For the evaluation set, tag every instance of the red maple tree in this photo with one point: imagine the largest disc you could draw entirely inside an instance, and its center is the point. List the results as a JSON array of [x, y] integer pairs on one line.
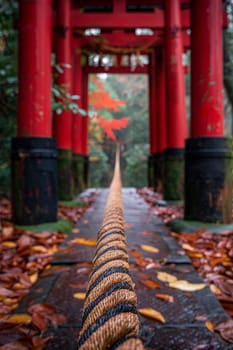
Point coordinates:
[[100, 100]]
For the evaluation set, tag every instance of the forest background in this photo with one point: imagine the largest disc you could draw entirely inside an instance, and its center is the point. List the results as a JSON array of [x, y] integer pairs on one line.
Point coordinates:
[[127, 112]]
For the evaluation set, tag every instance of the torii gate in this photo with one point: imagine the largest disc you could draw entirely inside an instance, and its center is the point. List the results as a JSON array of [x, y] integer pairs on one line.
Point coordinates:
[[207, 153]]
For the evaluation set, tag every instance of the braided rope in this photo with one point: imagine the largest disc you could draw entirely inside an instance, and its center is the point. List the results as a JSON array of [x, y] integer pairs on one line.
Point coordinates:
[[109, 319]]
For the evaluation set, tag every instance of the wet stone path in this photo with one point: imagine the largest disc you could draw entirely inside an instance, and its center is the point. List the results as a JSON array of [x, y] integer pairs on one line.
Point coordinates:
[[185, 318]]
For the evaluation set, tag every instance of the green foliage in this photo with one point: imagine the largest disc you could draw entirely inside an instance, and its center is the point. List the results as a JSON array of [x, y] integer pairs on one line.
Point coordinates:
[[99, 167], [8, 87], [135, 171]]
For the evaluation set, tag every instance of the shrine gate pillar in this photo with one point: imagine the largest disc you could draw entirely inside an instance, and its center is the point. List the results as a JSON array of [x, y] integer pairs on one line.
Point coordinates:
[[175, 97], [85, 127], [78, 157], [152, 179], [208, 154], [161, 137], [34, 157], [63, 121]]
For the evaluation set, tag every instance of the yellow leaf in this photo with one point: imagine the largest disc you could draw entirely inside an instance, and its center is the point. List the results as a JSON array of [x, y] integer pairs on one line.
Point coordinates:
[[20, 318], [165, 297], [39, 249], [210, 326], [33, 278], [84, 241], [215, 289], [166, 277], [187, 286], [149, 248], [9, 244], [18, 286], [152, 313], [79, 295], [187, 246]]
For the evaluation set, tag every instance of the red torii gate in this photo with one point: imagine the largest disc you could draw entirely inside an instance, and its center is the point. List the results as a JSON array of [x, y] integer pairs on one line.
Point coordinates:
[[207, 190]]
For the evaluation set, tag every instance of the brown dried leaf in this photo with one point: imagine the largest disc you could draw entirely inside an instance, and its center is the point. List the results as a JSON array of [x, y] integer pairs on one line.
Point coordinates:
[[165, 297], [226, 330], [15, 345], [41, 308], [40, 321], [150, 284], [56, 319]]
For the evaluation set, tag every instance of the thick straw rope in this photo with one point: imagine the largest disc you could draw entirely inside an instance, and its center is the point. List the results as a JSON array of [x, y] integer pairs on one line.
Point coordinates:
[[110, 319]]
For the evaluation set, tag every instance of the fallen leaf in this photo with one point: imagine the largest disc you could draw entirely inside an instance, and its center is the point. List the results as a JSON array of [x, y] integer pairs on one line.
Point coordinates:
[[128, 225], [152, 313], [56, 319], [150, 284], [40, 321], [85, 241], [79, 295], [147, 232], [33, 278], [166, 277], [135, 253], [15, 345], [39, 249], [41, 308], [149, 248], [165, 297], [9, 244], [20, 318], [210, 326], [187, 286], [215, 289], [75, 230], [39, 343], [226, 330], [187, 246]]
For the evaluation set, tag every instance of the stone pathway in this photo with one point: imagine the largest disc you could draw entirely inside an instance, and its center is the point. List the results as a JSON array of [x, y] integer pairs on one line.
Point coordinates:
[[184, 328]]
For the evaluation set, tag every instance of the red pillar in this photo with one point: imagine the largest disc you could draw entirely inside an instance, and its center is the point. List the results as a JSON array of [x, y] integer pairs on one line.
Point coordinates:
[[152, 105], [175, 97], [207, 83], [77, 131], [63, 121], [85, 128], [152, 163], [34, 176], [176, 112], [161, 101], [77, 90], [208, 154], [34, 72]]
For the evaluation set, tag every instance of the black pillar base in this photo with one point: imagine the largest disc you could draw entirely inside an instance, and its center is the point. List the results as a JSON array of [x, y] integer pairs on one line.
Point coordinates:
[[150, 168], [208, 179], [65, 175], [34, 180], [78, 173], [173, 186], [86, 170], [155, 171]]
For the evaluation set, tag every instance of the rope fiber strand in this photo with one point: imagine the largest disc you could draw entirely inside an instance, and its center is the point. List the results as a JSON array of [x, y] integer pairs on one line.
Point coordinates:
[[110, 319]]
